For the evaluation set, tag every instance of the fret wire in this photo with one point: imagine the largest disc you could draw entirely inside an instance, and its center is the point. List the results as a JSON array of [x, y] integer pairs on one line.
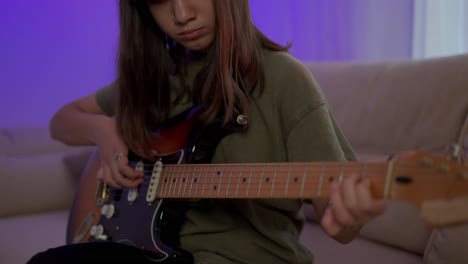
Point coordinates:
[[250, 178], [191, 180], [220, 179], [341, 173], [171, 181], [238, 181], [388, 181], [160, 187], [168, 177], [319, 191], [185, 176], [174, 180], [287, 183], [180, 180], [198, 180], [261, 180], [212, 181], [229, 182], [274, 181], [204, 182], [304, 178]]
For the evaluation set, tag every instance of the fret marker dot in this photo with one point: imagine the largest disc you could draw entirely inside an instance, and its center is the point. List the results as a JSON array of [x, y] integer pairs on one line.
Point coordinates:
[[296, 180], [174, 180], [215, 187], [244, 180], [267, 179], [330, 179], [195, 180], [183, 180]]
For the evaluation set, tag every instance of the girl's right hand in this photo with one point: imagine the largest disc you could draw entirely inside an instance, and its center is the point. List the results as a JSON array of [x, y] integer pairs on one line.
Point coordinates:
[[113, 152]]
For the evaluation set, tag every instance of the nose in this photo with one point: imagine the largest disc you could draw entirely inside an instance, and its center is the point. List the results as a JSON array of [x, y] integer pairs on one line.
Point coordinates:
[[183, 12]]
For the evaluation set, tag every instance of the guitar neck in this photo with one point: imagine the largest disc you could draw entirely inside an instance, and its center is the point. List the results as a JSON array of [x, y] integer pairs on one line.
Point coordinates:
[[274, 180]]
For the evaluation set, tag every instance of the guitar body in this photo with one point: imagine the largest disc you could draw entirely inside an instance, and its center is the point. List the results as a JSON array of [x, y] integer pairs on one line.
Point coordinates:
[[128, 216], [141, 218]]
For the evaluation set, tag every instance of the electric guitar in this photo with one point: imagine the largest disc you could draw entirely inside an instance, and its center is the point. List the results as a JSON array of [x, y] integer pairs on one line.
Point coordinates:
[[144, 217]]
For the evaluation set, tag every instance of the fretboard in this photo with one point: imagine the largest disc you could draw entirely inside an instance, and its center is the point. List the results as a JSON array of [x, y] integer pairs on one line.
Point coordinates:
[[263, 180]]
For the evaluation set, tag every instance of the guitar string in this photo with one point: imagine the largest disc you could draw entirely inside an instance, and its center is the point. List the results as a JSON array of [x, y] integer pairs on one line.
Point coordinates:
[[173, 173], [176, 186]]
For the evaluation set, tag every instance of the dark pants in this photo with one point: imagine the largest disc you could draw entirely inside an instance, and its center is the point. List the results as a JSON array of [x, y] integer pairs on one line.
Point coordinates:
[[97, 252]]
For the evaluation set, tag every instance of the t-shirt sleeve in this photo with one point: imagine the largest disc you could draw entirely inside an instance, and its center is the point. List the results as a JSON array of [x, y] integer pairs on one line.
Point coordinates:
[[309, 128], [316, 137], [106, 98]]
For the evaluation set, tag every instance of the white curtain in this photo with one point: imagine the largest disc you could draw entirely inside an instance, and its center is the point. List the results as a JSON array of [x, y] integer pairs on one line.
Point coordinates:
[[327, 30], [440, 28], [339, 30]]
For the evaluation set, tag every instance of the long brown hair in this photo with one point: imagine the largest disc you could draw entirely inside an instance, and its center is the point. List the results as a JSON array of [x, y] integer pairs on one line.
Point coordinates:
[[234, 69]]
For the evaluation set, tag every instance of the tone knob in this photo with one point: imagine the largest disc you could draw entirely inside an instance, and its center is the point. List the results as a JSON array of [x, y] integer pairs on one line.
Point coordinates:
[[97, 231], [108, 210]]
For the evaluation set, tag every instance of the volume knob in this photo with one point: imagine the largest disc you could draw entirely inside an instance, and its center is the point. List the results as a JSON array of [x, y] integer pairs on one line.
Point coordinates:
[[97, 231], [108, 210]]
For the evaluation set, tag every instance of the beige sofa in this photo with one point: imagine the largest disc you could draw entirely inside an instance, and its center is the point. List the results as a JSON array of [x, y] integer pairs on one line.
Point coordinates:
[[383, 108]]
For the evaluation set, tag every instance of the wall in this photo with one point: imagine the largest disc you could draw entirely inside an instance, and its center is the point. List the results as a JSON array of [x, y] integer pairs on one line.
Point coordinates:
[[53, 51]]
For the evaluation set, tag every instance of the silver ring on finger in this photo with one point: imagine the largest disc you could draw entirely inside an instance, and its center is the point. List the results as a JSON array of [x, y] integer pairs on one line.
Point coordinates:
[[118, 156]]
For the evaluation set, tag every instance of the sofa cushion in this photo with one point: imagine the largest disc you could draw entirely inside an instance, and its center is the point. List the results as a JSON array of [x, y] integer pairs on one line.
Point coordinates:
[[28, 141], [399, 105], [448, 245], [327, 250], [22, 237], [400, 226], [41, 182]]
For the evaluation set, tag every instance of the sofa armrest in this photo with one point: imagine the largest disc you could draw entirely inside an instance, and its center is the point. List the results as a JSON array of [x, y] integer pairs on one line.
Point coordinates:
[[38, 183]]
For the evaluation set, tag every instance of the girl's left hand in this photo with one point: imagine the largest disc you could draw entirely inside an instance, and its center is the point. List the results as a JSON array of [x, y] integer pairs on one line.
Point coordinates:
[[351, 206]]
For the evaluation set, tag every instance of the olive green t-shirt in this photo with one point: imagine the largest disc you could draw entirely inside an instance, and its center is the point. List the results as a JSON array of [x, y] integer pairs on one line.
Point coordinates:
[[289, 122]]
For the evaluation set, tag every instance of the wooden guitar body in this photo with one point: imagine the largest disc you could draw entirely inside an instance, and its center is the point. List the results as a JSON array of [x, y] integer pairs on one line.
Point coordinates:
[[128, 216]]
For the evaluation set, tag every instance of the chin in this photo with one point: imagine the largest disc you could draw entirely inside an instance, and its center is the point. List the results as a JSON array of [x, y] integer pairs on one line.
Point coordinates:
[[198, 48], [198, 45]]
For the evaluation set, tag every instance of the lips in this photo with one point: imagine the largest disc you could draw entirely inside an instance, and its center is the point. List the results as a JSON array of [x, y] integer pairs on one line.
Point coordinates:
[[192, 34]]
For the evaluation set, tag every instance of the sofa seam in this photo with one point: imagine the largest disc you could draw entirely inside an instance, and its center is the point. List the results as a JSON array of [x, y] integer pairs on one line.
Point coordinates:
[[462, 137]]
